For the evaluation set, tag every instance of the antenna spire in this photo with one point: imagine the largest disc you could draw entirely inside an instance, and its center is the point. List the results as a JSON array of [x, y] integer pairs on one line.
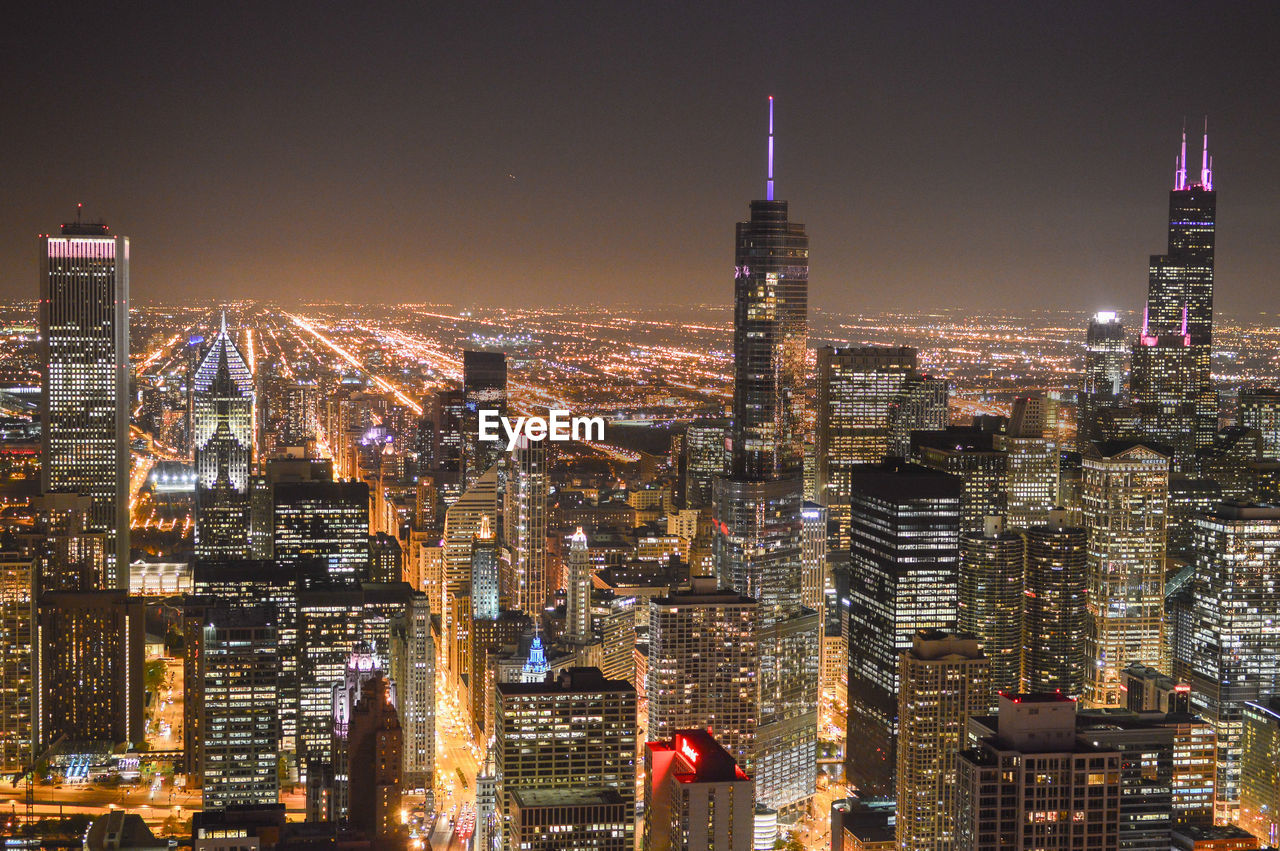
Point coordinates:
[[1206, 163], [768, 186], [224, 323], [1180, 173]]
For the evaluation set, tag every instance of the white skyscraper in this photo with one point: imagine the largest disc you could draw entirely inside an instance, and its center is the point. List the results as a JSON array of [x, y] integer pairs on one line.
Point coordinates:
[[578, 609]]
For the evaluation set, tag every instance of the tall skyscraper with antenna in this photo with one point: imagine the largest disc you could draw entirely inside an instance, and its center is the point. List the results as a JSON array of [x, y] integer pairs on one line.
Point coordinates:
[[757, 507], [1171, 383], [84, 348]]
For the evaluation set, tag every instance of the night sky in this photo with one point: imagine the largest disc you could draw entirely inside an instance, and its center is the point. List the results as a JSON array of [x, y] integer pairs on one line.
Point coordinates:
[[947, 154]]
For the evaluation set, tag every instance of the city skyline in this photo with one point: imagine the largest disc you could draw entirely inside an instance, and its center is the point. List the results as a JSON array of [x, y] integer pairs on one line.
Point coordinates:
[[923, 577], [1066, 147]]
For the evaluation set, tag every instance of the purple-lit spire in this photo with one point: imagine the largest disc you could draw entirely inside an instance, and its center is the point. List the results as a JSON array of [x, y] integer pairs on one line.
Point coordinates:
[[1145, 338], [768, 186], [1184, 320], [1180, 171], [1206, 163]]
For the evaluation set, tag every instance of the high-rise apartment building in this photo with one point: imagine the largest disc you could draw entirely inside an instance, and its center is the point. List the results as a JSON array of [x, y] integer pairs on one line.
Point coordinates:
[[84, 353], [1034, 786], [1231, 655], [238, 669], [17, 657], [1171, 382], [572, 731], [1055, 613], [990, 600], [697, 797], [905, 548], [89, 672], [704, 665], [1125, 492], [943, 679]]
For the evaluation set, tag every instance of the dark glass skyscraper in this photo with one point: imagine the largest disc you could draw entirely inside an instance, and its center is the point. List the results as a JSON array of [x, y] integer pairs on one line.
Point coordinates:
[[84, 340], [484, 388], [1104, 358], [770, 333], [905, 537], [1171, 382], [757, 508]]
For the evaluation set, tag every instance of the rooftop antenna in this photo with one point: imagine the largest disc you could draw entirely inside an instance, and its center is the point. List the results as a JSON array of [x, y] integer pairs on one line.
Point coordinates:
[[79, 207], [1180, 174], [224, 323], [768, 186], [1206, 164]]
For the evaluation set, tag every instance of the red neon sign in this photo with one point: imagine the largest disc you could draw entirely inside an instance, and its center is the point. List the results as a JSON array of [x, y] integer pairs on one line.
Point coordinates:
[[687, 750]]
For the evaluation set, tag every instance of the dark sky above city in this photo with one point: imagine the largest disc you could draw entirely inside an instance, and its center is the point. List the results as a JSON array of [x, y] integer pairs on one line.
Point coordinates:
[[947, 154]]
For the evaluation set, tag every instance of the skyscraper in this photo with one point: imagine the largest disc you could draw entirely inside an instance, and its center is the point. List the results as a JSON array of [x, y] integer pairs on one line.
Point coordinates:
[[578, 604], [1020, 789], [222, 399], [1260, 409], [1125, 492], [1171, 381], [84, 353], [1232, 653], [484, 388], [324, 520], [905, 547], [223, 396], [991, 598], [757, 508], [703, 459], [572, 732], [238, 669], [527, 489], [1055, 615], [970, 454], [89, 674], [944, 680], [484, 572], [697, 798], [1260, 770], [463, 520], [857, 389], [814, 557], [703, 666], [375, 742], [413, 670], [1104, 368], [771, 297], [17, 634]]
